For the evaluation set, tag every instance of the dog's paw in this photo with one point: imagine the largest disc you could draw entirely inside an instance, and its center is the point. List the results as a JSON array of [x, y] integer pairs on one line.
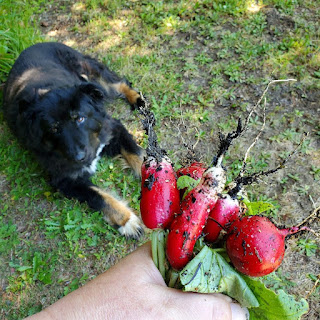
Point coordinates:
[[140, 102], [118, 215], [133, 228]]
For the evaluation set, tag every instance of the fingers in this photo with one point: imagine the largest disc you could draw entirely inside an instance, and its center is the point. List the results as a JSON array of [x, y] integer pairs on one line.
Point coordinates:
[[190, 306], [187, 305]]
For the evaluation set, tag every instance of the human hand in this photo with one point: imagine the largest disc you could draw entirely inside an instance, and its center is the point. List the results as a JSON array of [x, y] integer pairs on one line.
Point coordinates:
[[134, 289]]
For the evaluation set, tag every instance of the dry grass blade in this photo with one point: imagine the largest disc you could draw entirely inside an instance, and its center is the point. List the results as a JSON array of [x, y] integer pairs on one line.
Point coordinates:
[[313, 288], [262, 96], [312, 216], [244, 162]]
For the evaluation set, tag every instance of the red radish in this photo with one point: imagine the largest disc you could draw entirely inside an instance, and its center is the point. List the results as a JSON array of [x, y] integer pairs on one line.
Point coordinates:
[[195, 208], [256, 246], [160, 198], [226, 210], [195, 170]]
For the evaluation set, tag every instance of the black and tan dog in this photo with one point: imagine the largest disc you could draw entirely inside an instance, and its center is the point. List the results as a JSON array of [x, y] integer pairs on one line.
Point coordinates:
[[55, 103]]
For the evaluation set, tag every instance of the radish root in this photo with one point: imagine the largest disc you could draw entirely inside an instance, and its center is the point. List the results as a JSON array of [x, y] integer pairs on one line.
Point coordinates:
[[148, 123], [241, 180]]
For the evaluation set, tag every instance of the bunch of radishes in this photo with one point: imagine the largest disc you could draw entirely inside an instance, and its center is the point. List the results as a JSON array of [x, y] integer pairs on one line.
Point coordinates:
[[254, 244]]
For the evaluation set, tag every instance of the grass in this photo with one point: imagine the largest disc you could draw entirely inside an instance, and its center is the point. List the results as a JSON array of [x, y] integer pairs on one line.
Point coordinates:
[[202, 64], [18, 30]]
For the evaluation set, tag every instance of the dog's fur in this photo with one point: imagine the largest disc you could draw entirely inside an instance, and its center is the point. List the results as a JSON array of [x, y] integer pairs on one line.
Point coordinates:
[[54, 102]]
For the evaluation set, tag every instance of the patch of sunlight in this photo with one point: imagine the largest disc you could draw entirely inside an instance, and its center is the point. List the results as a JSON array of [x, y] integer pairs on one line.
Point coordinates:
[[137, 50], [254, 6], [52, 33], [170, 24], [109, 43], [70, 43], [78, 7], [119, 24], [315, 60]]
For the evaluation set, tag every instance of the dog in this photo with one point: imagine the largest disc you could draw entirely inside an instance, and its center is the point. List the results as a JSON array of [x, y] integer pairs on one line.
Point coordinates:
[[55, 103]]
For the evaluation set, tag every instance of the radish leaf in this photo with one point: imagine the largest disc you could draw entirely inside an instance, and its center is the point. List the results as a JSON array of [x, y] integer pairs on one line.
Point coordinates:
[[188, 183], [273, 305], [258, 207], [208, 272]]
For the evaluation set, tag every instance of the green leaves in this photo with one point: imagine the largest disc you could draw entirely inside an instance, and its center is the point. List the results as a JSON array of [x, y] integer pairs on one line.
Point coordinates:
[[187, 183], [209, 272], [309, 246], [258, 207], [8, 237], [38, 268], [274, 306]]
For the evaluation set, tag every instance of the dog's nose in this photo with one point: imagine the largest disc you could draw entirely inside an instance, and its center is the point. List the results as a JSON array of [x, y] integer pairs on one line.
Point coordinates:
[[80, 156]]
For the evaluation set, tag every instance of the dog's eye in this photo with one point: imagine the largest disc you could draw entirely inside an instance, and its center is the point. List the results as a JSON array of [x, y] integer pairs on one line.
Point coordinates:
[[80, 119]]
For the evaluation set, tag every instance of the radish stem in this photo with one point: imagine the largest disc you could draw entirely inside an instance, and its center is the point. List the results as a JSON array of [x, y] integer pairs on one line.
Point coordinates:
[[161, 253], [173, 278], [154, 248]]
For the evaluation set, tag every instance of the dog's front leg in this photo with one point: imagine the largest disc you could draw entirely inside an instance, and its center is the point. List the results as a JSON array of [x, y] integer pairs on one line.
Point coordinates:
[[123, 144], [115, 211]]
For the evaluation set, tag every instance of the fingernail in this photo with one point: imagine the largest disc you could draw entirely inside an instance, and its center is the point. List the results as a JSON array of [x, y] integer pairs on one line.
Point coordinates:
[[239, 313]]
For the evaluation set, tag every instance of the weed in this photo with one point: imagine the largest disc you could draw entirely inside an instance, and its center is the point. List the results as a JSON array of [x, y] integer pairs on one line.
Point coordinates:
[[37, 267], [315, 172], [294, 177], [9, 237], [256, 24], [304, 190], [307, 246], [74, 284]]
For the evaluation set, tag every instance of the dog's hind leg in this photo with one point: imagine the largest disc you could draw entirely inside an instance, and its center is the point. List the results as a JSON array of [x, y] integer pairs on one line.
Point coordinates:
[[115, 86], [116, 212], [124, 90]]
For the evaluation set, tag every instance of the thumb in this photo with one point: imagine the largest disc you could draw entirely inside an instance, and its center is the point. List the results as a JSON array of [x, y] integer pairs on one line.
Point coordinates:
[[239, 313]]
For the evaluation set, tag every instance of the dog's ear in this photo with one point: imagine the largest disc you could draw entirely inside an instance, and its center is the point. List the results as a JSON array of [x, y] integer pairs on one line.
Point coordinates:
[[27, 99], [30, 97], [94, 91]]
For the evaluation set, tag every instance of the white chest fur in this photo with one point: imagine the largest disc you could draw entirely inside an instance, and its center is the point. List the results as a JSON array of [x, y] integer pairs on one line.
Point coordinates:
[[93, 166]]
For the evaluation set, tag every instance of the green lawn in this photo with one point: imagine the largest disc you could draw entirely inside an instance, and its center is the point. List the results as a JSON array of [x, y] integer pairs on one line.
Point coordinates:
[[201, 64]]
